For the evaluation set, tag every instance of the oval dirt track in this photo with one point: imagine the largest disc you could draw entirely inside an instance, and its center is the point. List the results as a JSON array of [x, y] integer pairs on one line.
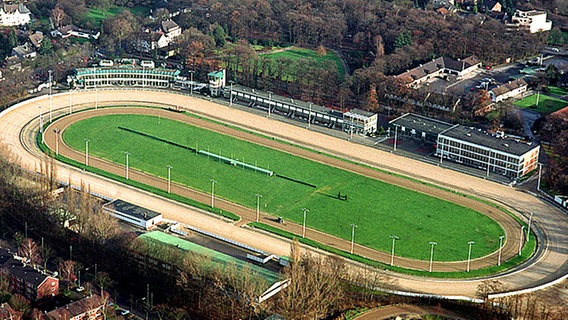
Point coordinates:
[[20, 124]]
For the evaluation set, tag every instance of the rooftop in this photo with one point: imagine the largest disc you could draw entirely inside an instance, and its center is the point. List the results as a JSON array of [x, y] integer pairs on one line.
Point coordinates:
[[286, 100], [76, 308], [424, 124], [438, 64], [131, 210], [509, 86], [482, 138], [216, 256]]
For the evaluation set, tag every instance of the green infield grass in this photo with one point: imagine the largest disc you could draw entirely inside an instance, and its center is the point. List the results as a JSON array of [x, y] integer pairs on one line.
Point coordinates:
[[546, 104], [377, 208]]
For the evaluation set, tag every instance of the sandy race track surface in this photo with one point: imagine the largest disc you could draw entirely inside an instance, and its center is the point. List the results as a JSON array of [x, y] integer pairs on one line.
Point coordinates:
[[552, 222]]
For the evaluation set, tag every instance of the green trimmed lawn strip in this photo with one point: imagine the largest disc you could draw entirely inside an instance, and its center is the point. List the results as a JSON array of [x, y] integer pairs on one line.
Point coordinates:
[[526, 253], [380, 209], [297, 53], [546, 104], [157, 191]]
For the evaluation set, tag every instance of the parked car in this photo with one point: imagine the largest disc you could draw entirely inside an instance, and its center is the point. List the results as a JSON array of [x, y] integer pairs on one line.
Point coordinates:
[[124, 312]]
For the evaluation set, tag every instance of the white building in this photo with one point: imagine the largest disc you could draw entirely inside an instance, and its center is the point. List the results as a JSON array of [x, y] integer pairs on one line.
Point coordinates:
[[72, 30], [160, 38], [131, 213], [510, 157], [361, 121], [440, 68], [532, 21], [14, 15], [508, 90]]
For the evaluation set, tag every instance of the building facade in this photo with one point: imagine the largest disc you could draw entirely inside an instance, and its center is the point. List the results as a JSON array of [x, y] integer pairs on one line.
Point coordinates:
[[508, 90], [27, 280], [89, 308], [533, 21], [494, 153], [361, 121], [439, 68], [509, 157], [131, 213], [124, 75], [14, 15]]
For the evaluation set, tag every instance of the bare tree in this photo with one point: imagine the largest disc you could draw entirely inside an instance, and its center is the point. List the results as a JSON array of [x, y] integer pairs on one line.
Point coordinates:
[[30, 251], [67, 270], [58, 15]]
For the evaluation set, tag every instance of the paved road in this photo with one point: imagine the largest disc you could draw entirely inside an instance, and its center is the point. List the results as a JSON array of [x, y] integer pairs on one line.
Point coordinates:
[[551, 221]]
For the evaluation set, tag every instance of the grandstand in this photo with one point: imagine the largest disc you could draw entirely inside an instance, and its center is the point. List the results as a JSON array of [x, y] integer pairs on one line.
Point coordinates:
[[356, 121], [131, 74]]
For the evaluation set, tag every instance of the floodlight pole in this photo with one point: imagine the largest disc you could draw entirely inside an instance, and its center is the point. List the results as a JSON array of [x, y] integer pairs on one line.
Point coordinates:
[[231, 94], [212, 192], [529, 228], [304, 225], [191, 72], [470, 243], [96, 89], [395, 137], [50, 98], [432, 244], [258, 196], [126, 154], [500, 249], [539, 176], [394, 238], [70, 100], [40, 120], [269, 101], [86, 151], [521, 239], [353, 226], [56, 140], [169, 178], [309, 115]]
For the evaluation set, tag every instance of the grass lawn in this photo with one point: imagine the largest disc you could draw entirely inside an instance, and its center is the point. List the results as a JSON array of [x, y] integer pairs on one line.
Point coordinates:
[[556, 91], [546, 104], [96, 16], [378, 208], [296, 53]]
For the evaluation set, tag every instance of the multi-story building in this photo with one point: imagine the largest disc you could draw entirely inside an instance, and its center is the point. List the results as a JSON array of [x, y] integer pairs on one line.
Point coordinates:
[[361, 121], [14, 15], [89, 308], [27, 280], [533, 21], [495, 153]]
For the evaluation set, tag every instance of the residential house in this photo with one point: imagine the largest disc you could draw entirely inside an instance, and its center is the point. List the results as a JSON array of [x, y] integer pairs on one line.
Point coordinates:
[[508, 90], [440, 67], [533, 21], [89, 308], [161, 37], [491, 6], [25, 51], [72, 30], [14, 15], [27, 280], [36, 39], [7, 313]]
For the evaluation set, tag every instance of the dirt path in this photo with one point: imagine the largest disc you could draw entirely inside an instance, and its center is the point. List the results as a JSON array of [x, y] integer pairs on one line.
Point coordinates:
[[552, 222], [407, 311]]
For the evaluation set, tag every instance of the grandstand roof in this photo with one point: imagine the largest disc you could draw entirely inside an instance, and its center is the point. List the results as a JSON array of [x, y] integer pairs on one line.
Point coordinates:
[[514, 146], [131, 209], [423, 124], [216, 256]]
